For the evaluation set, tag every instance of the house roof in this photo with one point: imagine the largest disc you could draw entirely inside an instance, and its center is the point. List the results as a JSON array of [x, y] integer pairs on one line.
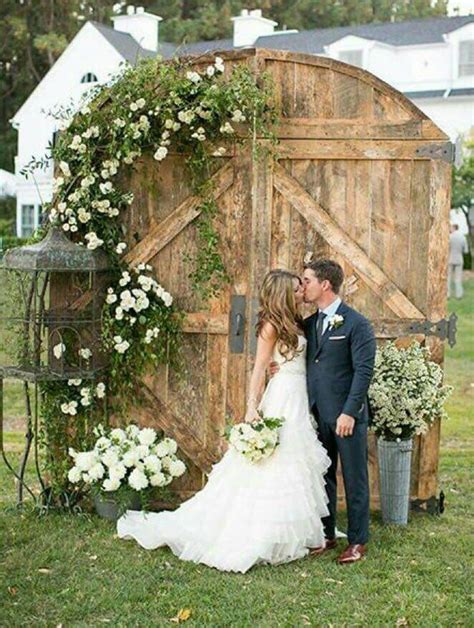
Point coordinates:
[[409, 32], [128, 47]]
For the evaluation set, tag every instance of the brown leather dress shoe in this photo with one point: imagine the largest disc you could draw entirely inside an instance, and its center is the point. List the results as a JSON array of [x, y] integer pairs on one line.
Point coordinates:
[[329, 545], [352, 554]]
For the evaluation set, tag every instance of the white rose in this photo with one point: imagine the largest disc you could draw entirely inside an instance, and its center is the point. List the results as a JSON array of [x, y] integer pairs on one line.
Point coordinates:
[[161, 153], [158, 479], [74, 475], [111, 484], [110, 458], [161, 449], [118, 471], [147, 436], [138, 480], [59, 349], [130, 457], [177, 468]]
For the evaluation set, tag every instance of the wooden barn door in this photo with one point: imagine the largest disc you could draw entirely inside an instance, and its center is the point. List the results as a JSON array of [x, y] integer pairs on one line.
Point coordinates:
[[193, 404], [380, 209]]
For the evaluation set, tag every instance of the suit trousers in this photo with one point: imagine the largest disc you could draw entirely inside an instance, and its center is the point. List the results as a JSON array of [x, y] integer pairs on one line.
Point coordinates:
[[353, 452], [455, 272]]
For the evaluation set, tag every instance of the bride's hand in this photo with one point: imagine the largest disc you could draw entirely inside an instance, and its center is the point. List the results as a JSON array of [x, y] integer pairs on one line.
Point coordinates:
[[251, 415]]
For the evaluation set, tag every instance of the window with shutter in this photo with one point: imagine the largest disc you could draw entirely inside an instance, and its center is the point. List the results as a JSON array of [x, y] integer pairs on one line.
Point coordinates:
[[466, 58]]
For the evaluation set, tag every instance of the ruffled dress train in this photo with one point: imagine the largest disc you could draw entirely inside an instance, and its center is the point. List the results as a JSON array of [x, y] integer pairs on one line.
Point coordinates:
[[267, 512]]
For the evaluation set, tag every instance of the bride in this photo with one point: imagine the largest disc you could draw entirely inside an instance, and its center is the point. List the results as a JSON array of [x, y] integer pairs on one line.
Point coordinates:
[[269, 511]]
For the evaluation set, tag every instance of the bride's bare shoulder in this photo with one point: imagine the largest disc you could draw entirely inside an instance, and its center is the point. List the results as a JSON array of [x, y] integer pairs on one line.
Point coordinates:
[[268, 332]]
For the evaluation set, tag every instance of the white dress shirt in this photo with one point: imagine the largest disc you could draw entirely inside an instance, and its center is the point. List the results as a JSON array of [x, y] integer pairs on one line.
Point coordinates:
[[330, 310]]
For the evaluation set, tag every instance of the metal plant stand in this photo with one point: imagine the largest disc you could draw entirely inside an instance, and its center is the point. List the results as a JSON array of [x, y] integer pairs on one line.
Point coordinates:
[[51, 298]]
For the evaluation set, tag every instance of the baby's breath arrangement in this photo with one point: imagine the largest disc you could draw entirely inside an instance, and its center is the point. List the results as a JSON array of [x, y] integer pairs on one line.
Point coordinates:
[[407, 394], [150, 109]]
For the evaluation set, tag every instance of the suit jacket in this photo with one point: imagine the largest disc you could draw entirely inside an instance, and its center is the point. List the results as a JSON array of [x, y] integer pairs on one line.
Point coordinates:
[[339, 370]]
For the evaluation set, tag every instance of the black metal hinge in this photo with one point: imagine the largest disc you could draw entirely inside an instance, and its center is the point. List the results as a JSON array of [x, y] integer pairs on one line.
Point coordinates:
[[444, 329], [444, 151], [433, 505]]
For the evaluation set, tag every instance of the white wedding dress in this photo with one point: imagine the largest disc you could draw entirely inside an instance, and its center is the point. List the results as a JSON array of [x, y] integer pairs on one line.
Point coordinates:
[[249, 513]]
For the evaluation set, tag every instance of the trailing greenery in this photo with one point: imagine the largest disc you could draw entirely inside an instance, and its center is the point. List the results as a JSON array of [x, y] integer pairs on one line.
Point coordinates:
[[144, 110]]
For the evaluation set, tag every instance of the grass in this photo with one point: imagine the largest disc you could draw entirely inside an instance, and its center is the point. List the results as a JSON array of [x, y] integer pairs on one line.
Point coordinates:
[[73, 571]]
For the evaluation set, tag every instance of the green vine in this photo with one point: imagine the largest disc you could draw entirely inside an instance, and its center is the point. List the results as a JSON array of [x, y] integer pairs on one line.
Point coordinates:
[[144, 110]]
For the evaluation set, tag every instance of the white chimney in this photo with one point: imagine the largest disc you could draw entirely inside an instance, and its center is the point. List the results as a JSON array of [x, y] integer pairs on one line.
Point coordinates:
[[142, 26], [249, 26]]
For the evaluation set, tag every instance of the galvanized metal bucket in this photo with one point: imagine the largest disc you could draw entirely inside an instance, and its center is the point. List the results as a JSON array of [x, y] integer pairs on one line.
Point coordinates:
[[107, 508], [394, 479]]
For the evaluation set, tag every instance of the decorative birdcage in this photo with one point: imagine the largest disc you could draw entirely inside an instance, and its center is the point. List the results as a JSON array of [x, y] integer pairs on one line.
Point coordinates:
[[51, 298]]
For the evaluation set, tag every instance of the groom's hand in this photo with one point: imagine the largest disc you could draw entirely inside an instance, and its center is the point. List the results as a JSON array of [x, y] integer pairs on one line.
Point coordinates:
[[345, 425], [273, 368]]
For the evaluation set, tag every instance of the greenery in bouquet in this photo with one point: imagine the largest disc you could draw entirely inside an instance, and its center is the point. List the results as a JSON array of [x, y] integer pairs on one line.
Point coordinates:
[[124, 462], [407, 393], [257, 440]]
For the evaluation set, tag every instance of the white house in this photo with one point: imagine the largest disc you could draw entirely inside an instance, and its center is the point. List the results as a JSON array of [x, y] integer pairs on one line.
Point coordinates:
[[430, 60], [92, 57]]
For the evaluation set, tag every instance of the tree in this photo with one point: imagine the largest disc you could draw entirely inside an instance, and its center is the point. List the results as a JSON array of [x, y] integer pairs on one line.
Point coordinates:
[[463, 189]]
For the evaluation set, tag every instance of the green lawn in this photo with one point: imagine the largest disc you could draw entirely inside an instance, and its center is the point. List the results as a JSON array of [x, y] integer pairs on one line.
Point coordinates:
[[72, 571]]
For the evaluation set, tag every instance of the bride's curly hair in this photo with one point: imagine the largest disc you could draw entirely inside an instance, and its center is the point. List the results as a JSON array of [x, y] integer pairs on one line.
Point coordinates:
[[278, 307]]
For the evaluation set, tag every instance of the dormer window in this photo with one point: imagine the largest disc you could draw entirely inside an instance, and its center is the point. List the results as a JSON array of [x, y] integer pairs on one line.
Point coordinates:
[[90, 77], [466, 58], [354, 57]]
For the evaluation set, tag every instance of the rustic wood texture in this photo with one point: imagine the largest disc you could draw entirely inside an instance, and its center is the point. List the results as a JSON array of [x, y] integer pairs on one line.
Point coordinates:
[[347, 183]]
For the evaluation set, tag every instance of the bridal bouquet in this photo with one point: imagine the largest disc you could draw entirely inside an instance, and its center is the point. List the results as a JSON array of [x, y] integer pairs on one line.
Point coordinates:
[[124, 460], [258, 440]]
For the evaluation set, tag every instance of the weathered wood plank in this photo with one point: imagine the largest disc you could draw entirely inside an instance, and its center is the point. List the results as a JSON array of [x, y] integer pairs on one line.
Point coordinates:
[[352, 149], [358, 128], [206, 323], [339, 240], [157, 413], [161, 234]]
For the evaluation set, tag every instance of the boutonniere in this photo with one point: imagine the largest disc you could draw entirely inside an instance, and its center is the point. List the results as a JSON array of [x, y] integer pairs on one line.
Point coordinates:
[[335, 321]]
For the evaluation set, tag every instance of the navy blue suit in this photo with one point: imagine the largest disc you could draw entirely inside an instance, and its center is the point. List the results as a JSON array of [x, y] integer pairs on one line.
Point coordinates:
[[339, 371]]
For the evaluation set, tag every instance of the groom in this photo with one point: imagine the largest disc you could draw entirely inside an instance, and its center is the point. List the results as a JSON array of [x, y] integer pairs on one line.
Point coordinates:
[[340, 362]]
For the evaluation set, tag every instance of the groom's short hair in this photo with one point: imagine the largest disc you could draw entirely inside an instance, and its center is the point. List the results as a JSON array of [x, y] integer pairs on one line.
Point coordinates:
[[327, 269]]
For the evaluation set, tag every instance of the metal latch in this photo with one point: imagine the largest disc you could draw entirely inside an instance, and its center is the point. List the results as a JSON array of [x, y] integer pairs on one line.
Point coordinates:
[[445, 328], [237, 324]]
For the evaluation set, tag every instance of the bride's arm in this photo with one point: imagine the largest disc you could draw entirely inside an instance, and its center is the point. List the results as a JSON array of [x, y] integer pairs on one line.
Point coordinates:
[[265, 343]]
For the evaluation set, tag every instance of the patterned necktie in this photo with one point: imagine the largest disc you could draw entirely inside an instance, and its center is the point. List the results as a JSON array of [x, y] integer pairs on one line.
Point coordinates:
[[319, 326]]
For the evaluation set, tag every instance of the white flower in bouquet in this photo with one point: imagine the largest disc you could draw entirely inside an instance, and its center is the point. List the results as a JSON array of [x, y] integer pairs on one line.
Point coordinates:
[[119, 471], [132, 430], [166, 462], [138, 480], [161, 449], [97, 471], [152, 463], [131, 457], [110, 458], [147, 436], [142, 450], [118, 435], [102, 444], [257, 440], [74, 475], [158, 479], [111, 484], [171, 445], [85, 460], [177, 468]]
